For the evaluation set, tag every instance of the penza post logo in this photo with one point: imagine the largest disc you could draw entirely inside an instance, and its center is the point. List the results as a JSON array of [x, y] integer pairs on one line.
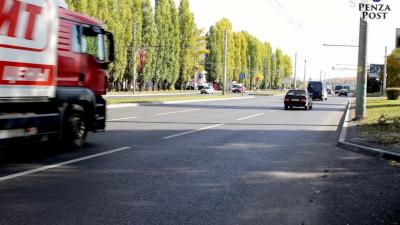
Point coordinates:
[[374, 11]]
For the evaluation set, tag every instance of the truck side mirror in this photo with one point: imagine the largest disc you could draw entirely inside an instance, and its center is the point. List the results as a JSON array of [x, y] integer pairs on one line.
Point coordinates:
[[110, 46]]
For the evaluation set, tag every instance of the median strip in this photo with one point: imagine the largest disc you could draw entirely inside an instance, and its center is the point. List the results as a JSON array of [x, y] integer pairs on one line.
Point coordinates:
[[152, 102], [41, 169], [249, 117], [193, 131]]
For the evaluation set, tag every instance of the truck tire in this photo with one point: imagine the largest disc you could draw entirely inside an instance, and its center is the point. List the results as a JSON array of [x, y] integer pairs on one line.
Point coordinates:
[[75, 128]]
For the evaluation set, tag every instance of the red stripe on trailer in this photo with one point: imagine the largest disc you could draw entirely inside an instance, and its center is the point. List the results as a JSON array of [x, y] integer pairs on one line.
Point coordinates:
[[14, 73]]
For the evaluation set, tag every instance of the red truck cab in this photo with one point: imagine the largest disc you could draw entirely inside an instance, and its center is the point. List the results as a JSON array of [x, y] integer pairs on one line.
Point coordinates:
[[82, 47]]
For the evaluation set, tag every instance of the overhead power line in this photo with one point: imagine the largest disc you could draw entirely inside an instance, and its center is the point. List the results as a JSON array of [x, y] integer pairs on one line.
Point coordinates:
[[284, 13]]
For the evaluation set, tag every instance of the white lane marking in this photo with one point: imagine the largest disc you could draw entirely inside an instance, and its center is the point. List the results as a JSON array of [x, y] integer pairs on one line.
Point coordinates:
[[29, 172], [127, 118], [183, 111], [248, 103], [273, 110], [193, 131], [249, 117]]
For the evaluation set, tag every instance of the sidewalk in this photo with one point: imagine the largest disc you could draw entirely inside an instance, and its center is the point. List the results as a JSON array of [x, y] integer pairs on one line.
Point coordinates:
[[351, 139]]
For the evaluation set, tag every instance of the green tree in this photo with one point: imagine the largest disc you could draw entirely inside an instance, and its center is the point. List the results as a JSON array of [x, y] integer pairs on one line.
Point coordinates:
[[148, 47], [200, 50], [393, 69], [267, 64], [215, 57], [174, 47], [279, 68], [188, 34], [163, 26], [274, 73]]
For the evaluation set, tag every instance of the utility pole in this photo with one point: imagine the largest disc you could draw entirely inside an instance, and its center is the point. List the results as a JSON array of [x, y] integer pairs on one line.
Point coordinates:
[[305, 72], [320, 75], [225, 61], [362, 71], [251, 78], [266, 73], [134, 58], [270, 74], [385, 73], [295, 71]]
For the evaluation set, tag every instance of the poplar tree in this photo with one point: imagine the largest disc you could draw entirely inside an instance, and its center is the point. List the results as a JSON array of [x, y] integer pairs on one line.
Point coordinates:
[[148, 44], [188, 34], [174, 47], [163, 21]]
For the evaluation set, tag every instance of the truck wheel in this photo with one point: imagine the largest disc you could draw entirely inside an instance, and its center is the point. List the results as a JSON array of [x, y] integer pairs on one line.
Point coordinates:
[[75, 129]]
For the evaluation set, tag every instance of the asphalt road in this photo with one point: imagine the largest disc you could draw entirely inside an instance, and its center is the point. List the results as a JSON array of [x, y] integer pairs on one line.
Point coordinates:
[[227, 162]]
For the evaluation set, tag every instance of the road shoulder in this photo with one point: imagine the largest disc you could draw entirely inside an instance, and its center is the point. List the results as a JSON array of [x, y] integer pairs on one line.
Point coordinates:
[[351, 139]]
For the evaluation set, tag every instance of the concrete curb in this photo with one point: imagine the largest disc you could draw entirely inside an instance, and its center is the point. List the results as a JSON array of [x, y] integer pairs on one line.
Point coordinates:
[[152, 95], [118, 106], [342, 143]]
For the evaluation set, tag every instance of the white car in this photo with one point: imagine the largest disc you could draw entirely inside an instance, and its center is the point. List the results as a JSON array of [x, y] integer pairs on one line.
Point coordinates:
[[207, 90]]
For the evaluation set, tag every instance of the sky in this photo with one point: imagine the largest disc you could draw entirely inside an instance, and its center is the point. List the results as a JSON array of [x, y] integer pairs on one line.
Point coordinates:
[[303, 27]]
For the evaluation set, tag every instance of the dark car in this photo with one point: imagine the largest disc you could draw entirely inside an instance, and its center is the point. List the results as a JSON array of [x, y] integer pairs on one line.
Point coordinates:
[[343, 92], [317, 90], [298, 98], [338, 88]]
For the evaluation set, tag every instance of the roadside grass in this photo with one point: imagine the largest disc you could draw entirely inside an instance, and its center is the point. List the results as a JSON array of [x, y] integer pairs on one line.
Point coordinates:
[[375, 95], [387, 133], [267, 93], [164, 99]]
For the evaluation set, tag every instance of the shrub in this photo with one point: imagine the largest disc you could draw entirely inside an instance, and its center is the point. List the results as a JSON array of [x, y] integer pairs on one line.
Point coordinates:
[[393, 93]]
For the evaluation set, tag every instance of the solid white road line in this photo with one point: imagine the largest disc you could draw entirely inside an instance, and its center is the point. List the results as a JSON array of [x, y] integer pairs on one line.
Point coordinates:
[[248, 103], [183, 111], [273, 110], [249, 117], [29, 172], [127, 118], [193, 131]]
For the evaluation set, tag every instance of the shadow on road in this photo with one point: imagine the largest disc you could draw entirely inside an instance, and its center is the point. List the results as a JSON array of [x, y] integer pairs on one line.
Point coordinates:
[[216, 176]]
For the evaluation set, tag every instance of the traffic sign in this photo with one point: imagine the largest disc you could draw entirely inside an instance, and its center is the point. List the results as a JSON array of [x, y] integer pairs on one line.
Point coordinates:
[[242, 76]]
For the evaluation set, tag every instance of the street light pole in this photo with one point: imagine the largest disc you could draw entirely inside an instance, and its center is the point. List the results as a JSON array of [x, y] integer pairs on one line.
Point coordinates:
[[385, 73], [225, 61], [134, 58], [250, 77], [295, 71], [305, 72], [362, 71]]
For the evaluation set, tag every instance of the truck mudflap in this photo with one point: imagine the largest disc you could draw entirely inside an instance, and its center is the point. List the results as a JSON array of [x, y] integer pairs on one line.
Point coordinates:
[[15, 127], [100, 121]]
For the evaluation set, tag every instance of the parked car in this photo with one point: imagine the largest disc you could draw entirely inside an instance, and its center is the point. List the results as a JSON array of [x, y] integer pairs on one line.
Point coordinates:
[[298, 98], [238, 89], [317, 89], [207, 90]]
